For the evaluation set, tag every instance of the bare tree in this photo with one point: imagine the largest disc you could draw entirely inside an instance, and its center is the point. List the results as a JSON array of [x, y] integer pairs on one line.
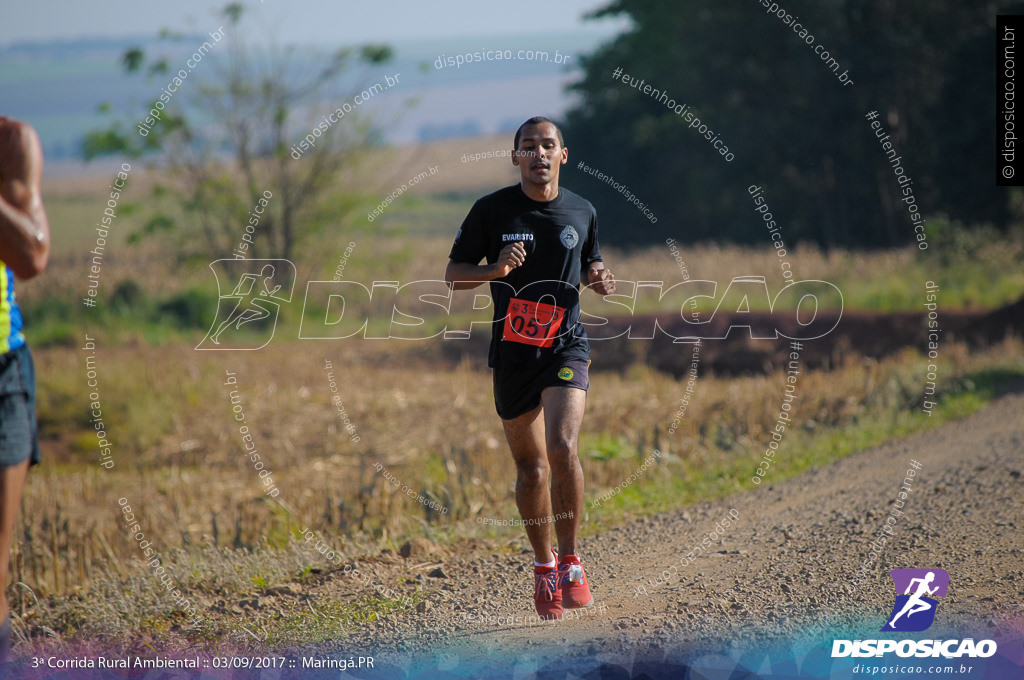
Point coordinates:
[[229, 139]]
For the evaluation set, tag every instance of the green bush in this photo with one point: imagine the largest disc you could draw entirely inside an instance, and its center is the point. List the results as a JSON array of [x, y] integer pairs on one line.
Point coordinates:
[[192, 308]]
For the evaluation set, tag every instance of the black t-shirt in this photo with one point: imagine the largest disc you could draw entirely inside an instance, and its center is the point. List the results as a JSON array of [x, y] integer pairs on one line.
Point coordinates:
[[560, 239]]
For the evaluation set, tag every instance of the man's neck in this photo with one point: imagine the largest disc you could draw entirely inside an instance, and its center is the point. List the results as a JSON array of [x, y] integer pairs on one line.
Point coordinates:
[[542, 193]]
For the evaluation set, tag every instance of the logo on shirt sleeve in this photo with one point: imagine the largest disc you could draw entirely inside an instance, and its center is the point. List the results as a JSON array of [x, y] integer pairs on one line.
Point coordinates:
[[569, 237]]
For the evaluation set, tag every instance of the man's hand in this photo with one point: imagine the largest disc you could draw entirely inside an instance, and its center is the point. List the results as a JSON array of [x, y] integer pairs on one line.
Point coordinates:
[[601, 280], [511, 256]]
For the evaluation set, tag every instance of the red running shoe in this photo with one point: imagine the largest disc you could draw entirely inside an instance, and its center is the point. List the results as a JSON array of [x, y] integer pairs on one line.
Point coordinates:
[[572, 581], [547, 596]]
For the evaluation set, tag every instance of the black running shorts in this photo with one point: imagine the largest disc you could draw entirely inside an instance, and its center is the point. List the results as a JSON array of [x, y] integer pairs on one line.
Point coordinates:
[[19, 438], [517, 390]]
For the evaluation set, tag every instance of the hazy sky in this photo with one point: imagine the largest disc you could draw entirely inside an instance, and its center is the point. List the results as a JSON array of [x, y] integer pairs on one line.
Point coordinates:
[[298, 21]]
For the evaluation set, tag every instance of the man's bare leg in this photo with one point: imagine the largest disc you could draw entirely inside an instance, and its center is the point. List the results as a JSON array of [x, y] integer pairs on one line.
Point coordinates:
[[563, 409], [525, 435], [12, 483]]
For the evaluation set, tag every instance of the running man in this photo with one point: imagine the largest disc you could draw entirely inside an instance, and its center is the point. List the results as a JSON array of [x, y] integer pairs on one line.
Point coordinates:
[[915, 604], [539, 240], [24, 252]]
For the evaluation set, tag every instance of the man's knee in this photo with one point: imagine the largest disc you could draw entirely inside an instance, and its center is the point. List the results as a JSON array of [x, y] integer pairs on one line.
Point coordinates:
[[561, 451], [533, 473]]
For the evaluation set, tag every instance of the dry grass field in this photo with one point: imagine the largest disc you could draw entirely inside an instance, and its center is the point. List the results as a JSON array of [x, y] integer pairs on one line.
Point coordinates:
[[418, 409]]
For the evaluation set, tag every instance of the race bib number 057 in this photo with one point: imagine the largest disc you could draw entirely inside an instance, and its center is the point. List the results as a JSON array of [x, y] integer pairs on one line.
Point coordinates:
[[532, 323]]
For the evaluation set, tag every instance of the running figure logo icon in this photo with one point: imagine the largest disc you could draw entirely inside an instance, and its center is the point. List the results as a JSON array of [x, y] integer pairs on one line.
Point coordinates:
[[914, 610], [255, 298]]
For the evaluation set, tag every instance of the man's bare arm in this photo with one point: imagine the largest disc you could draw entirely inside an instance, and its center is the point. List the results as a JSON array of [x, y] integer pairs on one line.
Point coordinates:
[[24, 229], [463, 275]]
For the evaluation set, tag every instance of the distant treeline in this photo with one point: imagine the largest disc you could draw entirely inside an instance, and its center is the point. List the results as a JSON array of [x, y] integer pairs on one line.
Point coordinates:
[[783, 94]]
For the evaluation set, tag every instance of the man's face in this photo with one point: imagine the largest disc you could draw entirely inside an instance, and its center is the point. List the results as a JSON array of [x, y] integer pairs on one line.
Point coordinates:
[[539, 154]]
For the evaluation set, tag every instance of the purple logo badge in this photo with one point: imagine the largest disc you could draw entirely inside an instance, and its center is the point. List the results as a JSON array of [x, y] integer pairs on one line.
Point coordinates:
[[915, 604]]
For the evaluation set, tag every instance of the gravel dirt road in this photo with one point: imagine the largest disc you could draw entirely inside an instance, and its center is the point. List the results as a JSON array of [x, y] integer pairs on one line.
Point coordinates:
[[786, 568]]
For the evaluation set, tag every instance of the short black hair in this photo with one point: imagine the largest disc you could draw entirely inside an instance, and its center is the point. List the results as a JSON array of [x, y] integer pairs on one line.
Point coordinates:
[[537, 120]]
